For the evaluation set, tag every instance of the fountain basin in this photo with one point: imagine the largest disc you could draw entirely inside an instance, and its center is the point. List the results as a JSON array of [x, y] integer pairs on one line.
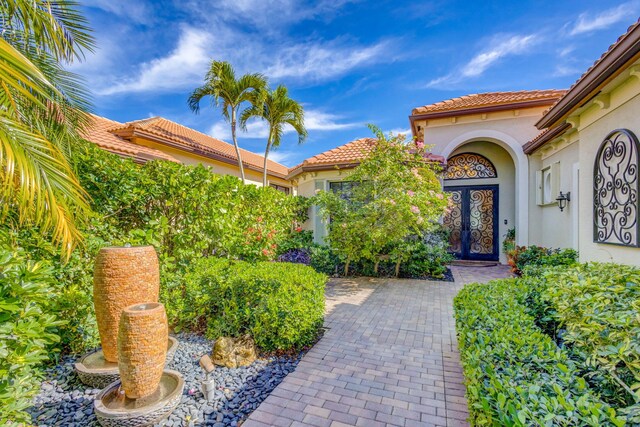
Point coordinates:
[[114, 409], [95, 371]]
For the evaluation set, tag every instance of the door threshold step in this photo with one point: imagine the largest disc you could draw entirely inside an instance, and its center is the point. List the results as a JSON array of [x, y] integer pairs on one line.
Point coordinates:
[[469, 263]]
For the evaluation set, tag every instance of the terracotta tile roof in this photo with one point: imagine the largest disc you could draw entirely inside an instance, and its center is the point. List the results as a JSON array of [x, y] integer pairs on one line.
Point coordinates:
[[99, 134], [479, 100], [625, 48], [347, 155], [344, 156], [190, 139]]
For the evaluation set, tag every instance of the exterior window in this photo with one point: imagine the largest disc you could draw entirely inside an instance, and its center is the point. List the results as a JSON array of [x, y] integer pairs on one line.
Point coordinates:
[[282, 188], [548, 184], [343, 188], [615, 190], [469, 166]]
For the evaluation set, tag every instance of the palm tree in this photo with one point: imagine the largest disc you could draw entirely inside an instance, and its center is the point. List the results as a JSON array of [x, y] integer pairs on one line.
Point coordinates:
[[278, 110], [42, 111], [223, 87]]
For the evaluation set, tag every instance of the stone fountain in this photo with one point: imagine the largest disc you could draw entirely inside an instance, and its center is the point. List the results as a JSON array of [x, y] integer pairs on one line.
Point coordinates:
[[123, 276], [146, 392]]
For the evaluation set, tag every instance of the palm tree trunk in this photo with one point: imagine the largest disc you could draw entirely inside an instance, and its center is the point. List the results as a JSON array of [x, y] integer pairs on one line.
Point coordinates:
[[235, 144], [264, 172]]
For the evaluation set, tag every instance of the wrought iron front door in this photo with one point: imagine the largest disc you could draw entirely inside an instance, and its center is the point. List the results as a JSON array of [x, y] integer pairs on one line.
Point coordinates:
[[472, 221]]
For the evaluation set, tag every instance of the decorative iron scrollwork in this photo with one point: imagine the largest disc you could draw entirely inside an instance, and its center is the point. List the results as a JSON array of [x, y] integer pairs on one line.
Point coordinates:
[[481, 221], [469, 166], [615, 190]]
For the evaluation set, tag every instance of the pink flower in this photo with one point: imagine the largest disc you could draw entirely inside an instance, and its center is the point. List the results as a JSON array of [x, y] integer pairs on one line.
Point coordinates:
[[420, 144], [415, 172], [415, 209], [393, 202], [411, 193], [440, 196]]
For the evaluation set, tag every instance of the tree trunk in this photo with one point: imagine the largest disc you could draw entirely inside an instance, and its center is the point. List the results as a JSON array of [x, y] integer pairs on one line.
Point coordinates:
[[346, 266], [235, 144], [375, 266], [264, 172], [397, 268]]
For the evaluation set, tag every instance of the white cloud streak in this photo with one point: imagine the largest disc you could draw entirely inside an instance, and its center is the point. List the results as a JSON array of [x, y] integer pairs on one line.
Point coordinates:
[[588, 22], [502, 47], [183, 67], [314, 120]]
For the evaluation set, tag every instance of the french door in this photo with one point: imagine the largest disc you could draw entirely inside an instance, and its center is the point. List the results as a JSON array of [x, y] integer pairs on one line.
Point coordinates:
[[473, 222]]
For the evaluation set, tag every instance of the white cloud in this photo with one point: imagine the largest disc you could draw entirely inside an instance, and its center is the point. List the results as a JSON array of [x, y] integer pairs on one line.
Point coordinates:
[[257, 129], [587, 22], [283, 157], [400, 131], [321, 121], [184, 67], [321, 61], [501, 47]]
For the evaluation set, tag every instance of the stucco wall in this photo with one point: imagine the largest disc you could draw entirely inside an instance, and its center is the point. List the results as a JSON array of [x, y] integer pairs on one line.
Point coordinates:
[[505, 180], [548, 226], [220, 168], [621, 110]]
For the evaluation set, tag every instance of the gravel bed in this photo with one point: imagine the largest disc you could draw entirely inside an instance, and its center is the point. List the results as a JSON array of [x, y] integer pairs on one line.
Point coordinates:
[[64, 401]]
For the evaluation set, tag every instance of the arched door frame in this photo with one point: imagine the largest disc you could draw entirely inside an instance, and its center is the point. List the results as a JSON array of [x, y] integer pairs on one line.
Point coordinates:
[[521, 164]]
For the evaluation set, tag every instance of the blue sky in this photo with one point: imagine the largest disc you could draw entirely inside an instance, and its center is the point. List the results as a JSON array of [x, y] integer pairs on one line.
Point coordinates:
[[348, 62]]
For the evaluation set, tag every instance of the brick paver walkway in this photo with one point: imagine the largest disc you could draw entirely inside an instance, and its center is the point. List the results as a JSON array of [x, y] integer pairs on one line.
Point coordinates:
[[388, 357]]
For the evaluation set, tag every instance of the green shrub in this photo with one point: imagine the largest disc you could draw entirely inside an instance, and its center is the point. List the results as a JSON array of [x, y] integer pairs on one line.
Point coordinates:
[[280, 304], [523, 257], [596, 308], [27, 329], [515, 374]]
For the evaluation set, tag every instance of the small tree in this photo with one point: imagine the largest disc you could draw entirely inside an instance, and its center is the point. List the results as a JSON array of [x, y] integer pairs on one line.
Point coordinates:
[[396, 194], [230, 92]]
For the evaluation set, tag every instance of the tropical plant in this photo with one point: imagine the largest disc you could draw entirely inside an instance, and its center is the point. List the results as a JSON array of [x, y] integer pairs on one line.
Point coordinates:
[[27, 328], [278, 110], [42, 109], [225, 90], [395, 194]]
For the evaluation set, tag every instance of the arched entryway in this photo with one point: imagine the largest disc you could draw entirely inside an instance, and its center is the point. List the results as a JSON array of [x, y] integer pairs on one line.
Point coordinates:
[[481, 179]]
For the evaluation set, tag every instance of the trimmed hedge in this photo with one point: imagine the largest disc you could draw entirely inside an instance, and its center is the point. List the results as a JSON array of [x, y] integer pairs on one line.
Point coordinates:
[[516, 375], [596, 311], [280, 304]]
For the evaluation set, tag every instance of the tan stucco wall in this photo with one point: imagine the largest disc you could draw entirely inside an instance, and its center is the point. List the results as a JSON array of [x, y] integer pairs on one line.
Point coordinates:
[[548, 226], [505, 181], [217, 167], [621, 110]]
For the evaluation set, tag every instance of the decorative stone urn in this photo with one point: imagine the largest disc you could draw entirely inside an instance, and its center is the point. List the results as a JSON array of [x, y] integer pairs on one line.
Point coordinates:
[[122, 276], [142, 348]]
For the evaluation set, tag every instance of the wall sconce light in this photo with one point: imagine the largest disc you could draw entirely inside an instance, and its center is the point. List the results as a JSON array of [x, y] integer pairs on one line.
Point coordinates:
[[563, 199]]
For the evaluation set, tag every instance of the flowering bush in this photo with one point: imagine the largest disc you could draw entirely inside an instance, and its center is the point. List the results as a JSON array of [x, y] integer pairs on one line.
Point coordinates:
[[395, 194]]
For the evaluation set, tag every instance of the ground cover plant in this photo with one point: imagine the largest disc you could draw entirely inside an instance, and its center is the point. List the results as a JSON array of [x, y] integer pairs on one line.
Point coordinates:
[[395, 197], [556, 347]]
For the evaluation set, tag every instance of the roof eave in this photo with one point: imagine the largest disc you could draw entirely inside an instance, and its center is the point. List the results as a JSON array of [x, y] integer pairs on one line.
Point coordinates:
[[533, 145], [298, 170], [131, 132], [628, 50], [483, 109]]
